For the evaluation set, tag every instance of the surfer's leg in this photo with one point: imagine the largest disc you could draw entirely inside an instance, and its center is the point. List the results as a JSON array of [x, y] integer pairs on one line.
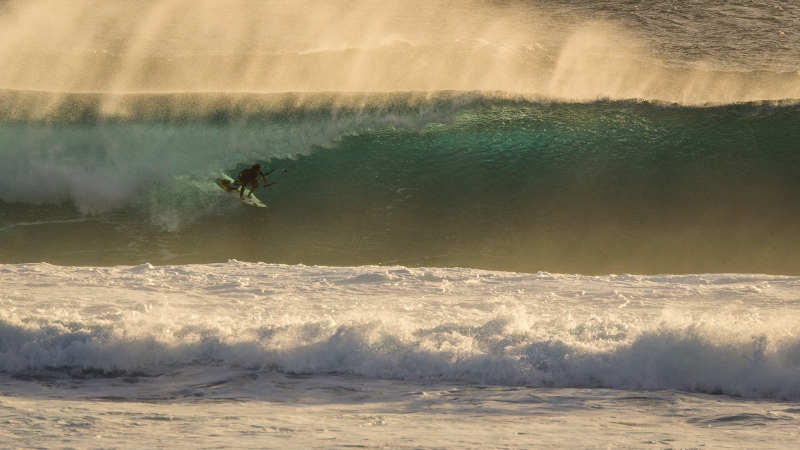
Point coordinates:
[[253, 187], [239, 186]]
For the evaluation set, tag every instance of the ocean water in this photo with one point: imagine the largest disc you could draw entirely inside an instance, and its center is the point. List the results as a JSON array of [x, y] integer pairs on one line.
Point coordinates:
[[494, 224]]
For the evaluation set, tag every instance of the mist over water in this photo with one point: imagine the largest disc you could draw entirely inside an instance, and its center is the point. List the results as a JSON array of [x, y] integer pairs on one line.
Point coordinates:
[[617, 50]]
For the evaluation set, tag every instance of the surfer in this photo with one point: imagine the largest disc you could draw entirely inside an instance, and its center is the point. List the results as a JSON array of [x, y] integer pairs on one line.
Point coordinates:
[[249, 177]]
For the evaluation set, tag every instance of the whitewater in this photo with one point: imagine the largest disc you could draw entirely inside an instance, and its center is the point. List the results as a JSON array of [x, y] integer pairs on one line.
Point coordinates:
[[511, 224], [273, 355]]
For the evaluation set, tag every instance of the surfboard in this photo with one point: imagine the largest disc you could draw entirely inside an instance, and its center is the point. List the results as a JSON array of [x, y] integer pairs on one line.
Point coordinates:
[[225, 181]]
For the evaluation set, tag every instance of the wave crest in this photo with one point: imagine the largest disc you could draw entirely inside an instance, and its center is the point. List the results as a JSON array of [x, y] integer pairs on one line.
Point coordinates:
[[694, 357]]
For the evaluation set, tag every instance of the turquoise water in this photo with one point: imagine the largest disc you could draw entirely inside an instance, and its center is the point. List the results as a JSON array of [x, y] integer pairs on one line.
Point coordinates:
[[470, 181]]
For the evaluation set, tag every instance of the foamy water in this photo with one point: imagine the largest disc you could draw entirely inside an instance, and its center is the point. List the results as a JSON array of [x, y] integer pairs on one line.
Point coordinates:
[[404, 350], [731, 334]]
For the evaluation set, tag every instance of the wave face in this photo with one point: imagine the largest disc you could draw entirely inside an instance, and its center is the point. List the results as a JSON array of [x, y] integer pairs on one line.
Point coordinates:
[[414, 179], [726, 334]]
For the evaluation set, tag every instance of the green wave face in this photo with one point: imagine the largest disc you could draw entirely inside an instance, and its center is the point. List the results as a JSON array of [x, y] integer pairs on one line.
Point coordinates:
[[594, 188]]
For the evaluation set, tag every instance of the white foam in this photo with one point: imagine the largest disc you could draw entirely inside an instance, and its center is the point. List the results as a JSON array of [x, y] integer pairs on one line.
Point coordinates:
[[732, 334]]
